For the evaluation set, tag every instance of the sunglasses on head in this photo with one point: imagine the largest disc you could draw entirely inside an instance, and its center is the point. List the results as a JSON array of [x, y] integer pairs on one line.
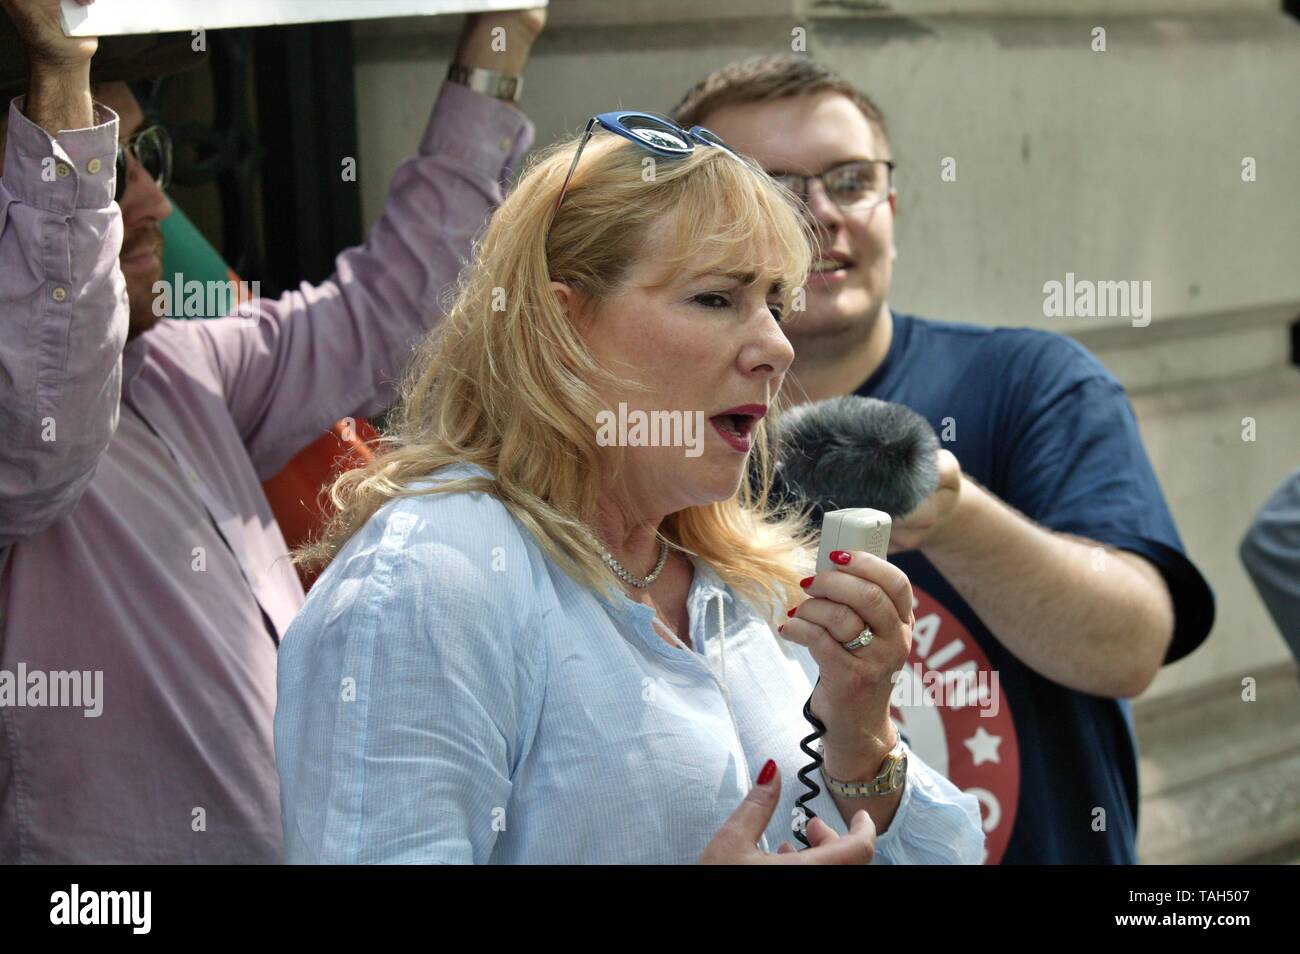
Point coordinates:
[[652, 132], [152, 148]]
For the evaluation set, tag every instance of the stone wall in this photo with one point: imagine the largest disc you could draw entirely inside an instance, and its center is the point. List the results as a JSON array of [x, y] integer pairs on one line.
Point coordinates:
[[1117, 165]]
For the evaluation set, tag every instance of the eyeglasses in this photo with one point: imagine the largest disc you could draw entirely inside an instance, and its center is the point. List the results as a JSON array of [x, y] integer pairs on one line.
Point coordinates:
[[650, 131], [858, 186], [152, 148]]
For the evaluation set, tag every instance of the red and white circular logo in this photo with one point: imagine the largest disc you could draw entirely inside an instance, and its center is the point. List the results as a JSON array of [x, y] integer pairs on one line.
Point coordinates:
[[949, 703]]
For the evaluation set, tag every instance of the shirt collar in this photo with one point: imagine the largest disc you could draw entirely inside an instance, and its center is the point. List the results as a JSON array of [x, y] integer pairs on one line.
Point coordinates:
[[706, 586]]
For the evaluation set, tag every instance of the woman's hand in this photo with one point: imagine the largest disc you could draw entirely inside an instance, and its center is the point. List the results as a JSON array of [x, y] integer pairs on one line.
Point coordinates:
[[736, 842], [852, 698]]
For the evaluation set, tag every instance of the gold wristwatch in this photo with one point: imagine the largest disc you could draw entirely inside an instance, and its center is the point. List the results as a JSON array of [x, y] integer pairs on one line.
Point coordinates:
[[892, 775]]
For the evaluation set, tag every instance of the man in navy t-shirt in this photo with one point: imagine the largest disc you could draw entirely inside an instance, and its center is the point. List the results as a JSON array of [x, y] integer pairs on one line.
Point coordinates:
[[1046, 568]]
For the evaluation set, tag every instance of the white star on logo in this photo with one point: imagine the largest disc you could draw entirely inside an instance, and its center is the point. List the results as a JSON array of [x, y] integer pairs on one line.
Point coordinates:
[[984, 747]]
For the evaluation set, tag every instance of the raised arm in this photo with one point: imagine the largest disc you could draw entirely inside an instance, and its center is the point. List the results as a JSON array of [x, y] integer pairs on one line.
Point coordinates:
[[63, 310], [321, 353], [930, 821]]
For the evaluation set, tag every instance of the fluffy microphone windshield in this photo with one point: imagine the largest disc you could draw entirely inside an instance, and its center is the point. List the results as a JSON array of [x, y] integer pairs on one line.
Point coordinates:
[[855, 452]]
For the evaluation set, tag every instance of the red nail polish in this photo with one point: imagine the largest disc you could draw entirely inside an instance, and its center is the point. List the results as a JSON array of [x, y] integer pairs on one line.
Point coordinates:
[[769, 769], [807, 581], [842, 557], [781, 628], [792, 611]]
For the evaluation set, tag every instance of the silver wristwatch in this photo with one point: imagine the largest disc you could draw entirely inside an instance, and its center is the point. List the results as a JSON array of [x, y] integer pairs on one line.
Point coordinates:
[[490, 82], [893, 773]]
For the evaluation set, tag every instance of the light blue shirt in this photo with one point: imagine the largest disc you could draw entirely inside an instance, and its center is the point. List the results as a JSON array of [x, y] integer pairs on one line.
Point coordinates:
[[450, 694]]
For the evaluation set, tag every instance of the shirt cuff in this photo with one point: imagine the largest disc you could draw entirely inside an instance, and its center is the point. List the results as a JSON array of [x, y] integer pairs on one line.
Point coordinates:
[[78, 170], [935, 823], [478, 131]]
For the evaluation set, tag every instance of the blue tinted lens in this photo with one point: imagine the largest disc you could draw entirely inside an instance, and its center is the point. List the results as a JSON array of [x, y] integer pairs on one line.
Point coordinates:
[[708, 136], [660, 138]]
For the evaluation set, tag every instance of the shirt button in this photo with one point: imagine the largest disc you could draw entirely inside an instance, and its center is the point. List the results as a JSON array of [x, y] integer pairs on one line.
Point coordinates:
[[505, 145], [194, 478], [94, 166], [59, 294], [61, 170]]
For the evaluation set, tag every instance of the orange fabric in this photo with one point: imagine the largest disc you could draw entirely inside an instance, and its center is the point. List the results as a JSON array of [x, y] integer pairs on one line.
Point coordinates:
[[295, 492]]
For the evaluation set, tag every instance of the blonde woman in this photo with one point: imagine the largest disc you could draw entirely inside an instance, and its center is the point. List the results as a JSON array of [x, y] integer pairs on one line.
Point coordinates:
[[536, 643]]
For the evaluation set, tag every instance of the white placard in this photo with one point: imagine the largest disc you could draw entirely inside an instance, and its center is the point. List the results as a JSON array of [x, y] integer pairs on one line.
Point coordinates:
[[110, 17]]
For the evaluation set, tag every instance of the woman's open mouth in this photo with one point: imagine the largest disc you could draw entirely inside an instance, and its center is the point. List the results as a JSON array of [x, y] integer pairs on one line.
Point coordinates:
[[736, 424]]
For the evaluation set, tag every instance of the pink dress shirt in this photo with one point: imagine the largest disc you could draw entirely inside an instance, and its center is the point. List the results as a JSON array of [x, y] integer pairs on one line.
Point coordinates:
[[135, 539]]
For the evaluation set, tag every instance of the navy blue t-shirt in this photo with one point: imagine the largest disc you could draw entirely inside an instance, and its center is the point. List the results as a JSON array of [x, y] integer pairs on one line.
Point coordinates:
[[1036, 419]]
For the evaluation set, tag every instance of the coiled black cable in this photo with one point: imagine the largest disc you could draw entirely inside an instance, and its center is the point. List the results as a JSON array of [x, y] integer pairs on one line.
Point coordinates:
[[819, 730]]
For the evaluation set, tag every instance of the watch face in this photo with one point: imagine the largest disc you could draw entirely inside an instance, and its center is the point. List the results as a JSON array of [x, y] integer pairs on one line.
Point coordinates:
[[898, 773]]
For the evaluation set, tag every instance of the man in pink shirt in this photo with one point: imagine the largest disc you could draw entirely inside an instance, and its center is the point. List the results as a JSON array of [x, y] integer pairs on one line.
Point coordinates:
[[144, 584]]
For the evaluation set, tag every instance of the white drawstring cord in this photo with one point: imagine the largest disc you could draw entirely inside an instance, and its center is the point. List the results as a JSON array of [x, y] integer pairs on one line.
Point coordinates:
[[722, 638]]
